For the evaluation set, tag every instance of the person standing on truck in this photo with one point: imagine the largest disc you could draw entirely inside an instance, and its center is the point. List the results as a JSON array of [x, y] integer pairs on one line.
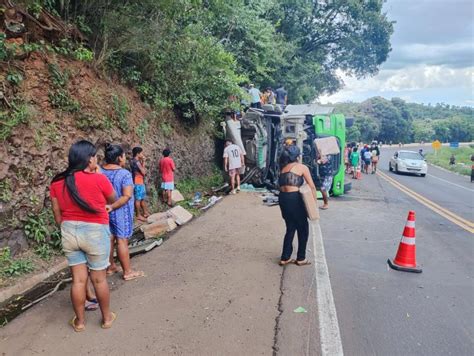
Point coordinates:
[[233, 162], [292, 176], [281, 96], [255, 97]]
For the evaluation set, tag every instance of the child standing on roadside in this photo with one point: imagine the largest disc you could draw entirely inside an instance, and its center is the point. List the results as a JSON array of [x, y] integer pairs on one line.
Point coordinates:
[[354, 161], [139, 190], [167, 168]]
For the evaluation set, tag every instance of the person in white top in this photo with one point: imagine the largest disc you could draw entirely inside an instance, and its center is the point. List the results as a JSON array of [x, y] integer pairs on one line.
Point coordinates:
[[233, 161]]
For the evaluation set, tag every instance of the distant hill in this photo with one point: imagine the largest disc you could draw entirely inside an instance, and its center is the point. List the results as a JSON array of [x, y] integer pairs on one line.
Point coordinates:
[[398, 121]]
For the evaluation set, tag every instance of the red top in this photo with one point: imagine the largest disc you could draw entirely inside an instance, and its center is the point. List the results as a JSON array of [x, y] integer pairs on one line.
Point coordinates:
[[93, 188], [166, 168]]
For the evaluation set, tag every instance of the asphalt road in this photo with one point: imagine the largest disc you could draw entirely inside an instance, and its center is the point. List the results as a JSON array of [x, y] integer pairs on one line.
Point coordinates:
[[386, 312], [215, 288]]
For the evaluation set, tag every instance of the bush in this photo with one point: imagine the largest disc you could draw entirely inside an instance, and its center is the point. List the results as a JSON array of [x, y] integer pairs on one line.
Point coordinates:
[[18, 114], [13, 267]]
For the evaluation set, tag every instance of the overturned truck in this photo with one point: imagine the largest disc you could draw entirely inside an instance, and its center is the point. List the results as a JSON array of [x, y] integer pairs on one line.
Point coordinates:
[[261, 134]]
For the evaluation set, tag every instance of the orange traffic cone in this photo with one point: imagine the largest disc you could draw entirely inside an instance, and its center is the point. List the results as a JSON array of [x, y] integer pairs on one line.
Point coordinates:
[[358, 173], [406, 254]]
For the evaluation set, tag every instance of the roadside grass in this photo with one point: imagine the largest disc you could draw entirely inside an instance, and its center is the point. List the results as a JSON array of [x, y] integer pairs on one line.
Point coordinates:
[[463, 159]]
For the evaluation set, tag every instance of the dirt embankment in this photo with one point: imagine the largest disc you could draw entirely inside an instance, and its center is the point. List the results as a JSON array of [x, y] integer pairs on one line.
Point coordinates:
[[65, 101]]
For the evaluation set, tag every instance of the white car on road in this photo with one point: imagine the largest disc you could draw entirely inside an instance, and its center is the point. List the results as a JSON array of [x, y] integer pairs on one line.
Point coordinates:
[[408, 162]]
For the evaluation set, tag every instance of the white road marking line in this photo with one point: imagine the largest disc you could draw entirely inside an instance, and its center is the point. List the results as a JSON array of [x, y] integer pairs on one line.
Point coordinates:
[[331, 344], [447, 181]]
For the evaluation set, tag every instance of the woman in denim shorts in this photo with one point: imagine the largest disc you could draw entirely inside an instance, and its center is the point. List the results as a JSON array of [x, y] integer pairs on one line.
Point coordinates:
[[79, 197]]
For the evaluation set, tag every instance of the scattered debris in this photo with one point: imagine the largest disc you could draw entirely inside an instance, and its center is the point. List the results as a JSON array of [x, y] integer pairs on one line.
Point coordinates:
[[270, 200], [250, 188], [300, 310], [212, 200]]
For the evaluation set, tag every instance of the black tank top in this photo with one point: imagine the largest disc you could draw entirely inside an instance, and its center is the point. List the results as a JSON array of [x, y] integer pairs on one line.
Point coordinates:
[[291, 179]]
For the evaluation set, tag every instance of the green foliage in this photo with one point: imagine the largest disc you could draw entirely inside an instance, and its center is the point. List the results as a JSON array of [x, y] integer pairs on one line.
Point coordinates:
[[17, 114], [121, 110], [6, 192], [189, 186], [142, 130], [10, 267], [83, 54], [463, 159], [3, 48], [166, 128], [14, 78], [191, 55], [86, 122], [43, 232], [59, 96], [36, 228]]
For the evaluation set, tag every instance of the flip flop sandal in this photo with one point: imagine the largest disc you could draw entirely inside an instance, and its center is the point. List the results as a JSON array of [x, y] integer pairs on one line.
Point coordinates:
[[111, 273], [303, 263], [324, 208], [76, 328], [91, 305], [134, 275], [287, 262], [109, 324]]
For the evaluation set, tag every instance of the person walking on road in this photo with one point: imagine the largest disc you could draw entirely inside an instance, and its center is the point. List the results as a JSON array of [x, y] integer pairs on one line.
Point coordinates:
[[121, 211], [233, 162], [79, 196], [293, 175], [255, 97], [375, 157]]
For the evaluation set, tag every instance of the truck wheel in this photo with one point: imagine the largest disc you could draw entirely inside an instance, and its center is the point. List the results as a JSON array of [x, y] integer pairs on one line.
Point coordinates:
[[423, 175], [390, 167]]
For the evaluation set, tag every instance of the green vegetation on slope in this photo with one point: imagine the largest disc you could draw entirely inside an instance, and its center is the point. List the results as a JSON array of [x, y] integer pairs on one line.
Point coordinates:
[[463, 159], [192, 55]]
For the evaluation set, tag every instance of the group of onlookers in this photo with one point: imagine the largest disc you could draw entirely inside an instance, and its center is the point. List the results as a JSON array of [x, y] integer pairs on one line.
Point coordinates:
[[95, 207], [257, 98], [366, 160]]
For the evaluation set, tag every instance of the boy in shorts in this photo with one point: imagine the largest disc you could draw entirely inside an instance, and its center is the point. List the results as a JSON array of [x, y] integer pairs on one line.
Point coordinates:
[[139, 189], [233, 162]]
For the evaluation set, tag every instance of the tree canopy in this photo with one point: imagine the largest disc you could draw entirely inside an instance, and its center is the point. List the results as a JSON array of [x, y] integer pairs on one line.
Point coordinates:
[[398, 121], [193, 54]]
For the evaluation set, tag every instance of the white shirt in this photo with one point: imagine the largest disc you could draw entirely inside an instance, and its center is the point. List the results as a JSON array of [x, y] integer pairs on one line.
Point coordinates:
[[233, 152]]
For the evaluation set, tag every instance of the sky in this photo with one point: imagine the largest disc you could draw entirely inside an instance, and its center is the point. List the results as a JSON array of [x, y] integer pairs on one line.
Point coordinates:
[[432, 57]]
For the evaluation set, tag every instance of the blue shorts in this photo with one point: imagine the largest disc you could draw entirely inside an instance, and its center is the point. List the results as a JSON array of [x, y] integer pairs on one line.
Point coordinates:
[[167, 186], [139, 191], [86, 243]]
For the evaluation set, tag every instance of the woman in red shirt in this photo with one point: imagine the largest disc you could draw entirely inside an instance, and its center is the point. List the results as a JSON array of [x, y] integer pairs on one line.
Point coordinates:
[[79, 197]]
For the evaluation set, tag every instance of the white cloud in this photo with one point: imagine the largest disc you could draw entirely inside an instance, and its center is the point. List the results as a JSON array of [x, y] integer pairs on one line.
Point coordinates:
[[401, 82]]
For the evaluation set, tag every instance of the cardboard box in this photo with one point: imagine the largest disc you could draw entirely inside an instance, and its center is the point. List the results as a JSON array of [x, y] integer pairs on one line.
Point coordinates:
[[158, 228], [176, 197], [310, 203], [180, 215], [327, 145]]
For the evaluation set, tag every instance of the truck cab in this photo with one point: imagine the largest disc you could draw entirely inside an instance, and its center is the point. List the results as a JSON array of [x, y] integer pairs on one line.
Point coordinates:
[[262, 133]]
